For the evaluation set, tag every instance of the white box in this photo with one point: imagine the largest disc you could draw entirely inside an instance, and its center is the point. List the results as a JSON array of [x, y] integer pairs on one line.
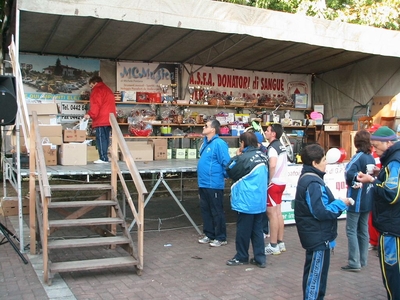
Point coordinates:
[[180, 153], [128, 96], [230, 118], [191, 153], [331, 127], [319, 108]]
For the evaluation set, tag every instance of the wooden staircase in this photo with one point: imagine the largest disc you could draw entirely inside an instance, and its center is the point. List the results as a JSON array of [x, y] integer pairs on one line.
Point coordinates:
[[54, 219], [111, 229]]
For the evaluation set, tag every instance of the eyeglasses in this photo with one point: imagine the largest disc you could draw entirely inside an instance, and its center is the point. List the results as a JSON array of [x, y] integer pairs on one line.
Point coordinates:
[[376, 145]]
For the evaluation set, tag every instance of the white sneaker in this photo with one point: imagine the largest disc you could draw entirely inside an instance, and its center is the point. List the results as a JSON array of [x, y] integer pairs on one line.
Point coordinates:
[[282, 247], [272, 250], [205, 240], [216, 243], [99, 161]]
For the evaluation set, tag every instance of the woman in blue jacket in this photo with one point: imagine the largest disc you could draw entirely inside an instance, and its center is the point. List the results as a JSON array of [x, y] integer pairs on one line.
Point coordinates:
[[357, 214], [249, 172]]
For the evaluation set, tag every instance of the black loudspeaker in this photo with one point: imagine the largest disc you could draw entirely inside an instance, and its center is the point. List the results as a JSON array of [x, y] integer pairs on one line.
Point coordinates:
[[8, 100]]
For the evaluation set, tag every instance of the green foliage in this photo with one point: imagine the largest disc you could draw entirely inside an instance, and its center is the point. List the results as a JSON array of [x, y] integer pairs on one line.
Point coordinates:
[[381, 13]]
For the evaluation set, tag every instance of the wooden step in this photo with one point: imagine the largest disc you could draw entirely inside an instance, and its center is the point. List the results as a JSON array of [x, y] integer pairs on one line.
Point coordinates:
[[78, 187], [93, 264], [84, 222], [81, 203], [88, 242]]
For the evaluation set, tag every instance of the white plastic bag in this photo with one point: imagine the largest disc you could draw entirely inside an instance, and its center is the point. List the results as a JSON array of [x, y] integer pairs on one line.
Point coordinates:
[[82, 124]]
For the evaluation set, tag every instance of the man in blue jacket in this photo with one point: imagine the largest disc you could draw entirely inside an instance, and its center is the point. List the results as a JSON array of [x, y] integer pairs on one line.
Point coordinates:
[[386, 207], [214, 157]]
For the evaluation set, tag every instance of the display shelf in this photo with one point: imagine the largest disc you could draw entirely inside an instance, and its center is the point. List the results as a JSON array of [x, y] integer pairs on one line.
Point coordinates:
[[215, 106]]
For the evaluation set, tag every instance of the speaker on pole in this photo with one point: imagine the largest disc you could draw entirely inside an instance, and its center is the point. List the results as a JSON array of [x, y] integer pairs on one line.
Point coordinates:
[[8, 100]]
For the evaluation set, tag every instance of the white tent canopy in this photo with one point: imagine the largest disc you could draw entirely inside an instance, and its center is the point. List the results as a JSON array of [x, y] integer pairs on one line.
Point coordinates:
[[218, 34]]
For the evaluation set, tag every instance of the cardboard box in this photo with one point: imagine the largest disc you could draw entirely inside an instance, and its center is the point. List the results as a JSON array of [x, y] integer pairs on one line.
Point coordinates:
[[10, 207], [46, 119], [159, 148], [46, 112], [52, 132], [140, 151], [42, 108], [92, 154], [74, 135], [142, 97], [50, 154], [154, 97], [72, 154], [191, 153]]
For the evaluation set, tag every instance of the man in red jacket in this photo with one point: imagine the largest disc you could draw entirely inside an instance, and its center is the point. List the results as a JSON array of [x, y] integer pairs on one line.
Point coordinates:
[[102, 103]]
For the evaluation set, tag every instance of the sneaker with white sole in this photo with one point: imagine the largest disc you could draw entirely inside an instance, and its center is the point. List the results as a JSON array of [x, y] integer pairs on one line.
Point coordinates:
[[216, 243], [282, 247], [272, 250], [205, 240], [99, 161]]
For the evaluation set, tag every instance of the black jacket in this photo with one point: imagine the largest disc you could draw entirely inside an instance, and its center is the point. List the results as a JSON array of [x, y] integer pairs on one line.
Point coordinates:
[[316, 210], [386, 206]]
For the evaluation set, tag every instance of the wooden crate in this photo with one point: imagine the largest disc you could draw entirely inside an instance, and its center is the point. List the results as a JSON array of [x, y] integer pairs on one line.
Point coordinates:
[[345, 125], [10, 207]]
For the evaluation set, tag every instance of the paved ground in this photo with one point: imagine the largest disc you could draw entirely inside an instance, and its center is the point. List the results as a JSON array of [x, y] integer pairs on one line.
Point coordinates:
[[177, 267]]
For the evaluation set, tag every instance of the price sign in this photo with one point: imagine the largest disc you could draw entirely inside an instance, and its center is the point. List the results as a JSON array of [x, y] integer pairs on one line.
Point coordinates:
[[73, 108]]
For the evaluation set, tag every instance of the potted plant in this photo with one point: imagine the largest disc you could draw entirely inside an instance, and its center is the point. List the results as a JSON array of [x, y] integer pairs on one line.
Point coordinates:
[[122, 116]]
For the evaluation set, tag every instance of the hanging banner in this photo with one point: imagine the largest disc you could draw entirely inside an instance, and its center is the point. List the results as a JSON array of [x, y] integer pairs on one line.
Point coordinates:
[[145, 77], [57, 78], [247, 84]]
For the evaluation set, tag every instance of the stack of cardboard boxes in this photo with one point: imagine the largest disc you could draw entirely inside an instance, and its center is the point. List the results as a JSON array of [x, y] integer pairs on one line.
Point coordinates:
[[152, 149], [67, 147], [73, 151], [50, 131]]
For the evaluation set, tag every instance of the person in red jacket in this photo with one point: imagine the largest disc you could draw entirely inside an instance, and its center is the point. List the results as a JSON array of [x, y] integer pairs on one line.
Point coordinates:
[[102, 103]]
